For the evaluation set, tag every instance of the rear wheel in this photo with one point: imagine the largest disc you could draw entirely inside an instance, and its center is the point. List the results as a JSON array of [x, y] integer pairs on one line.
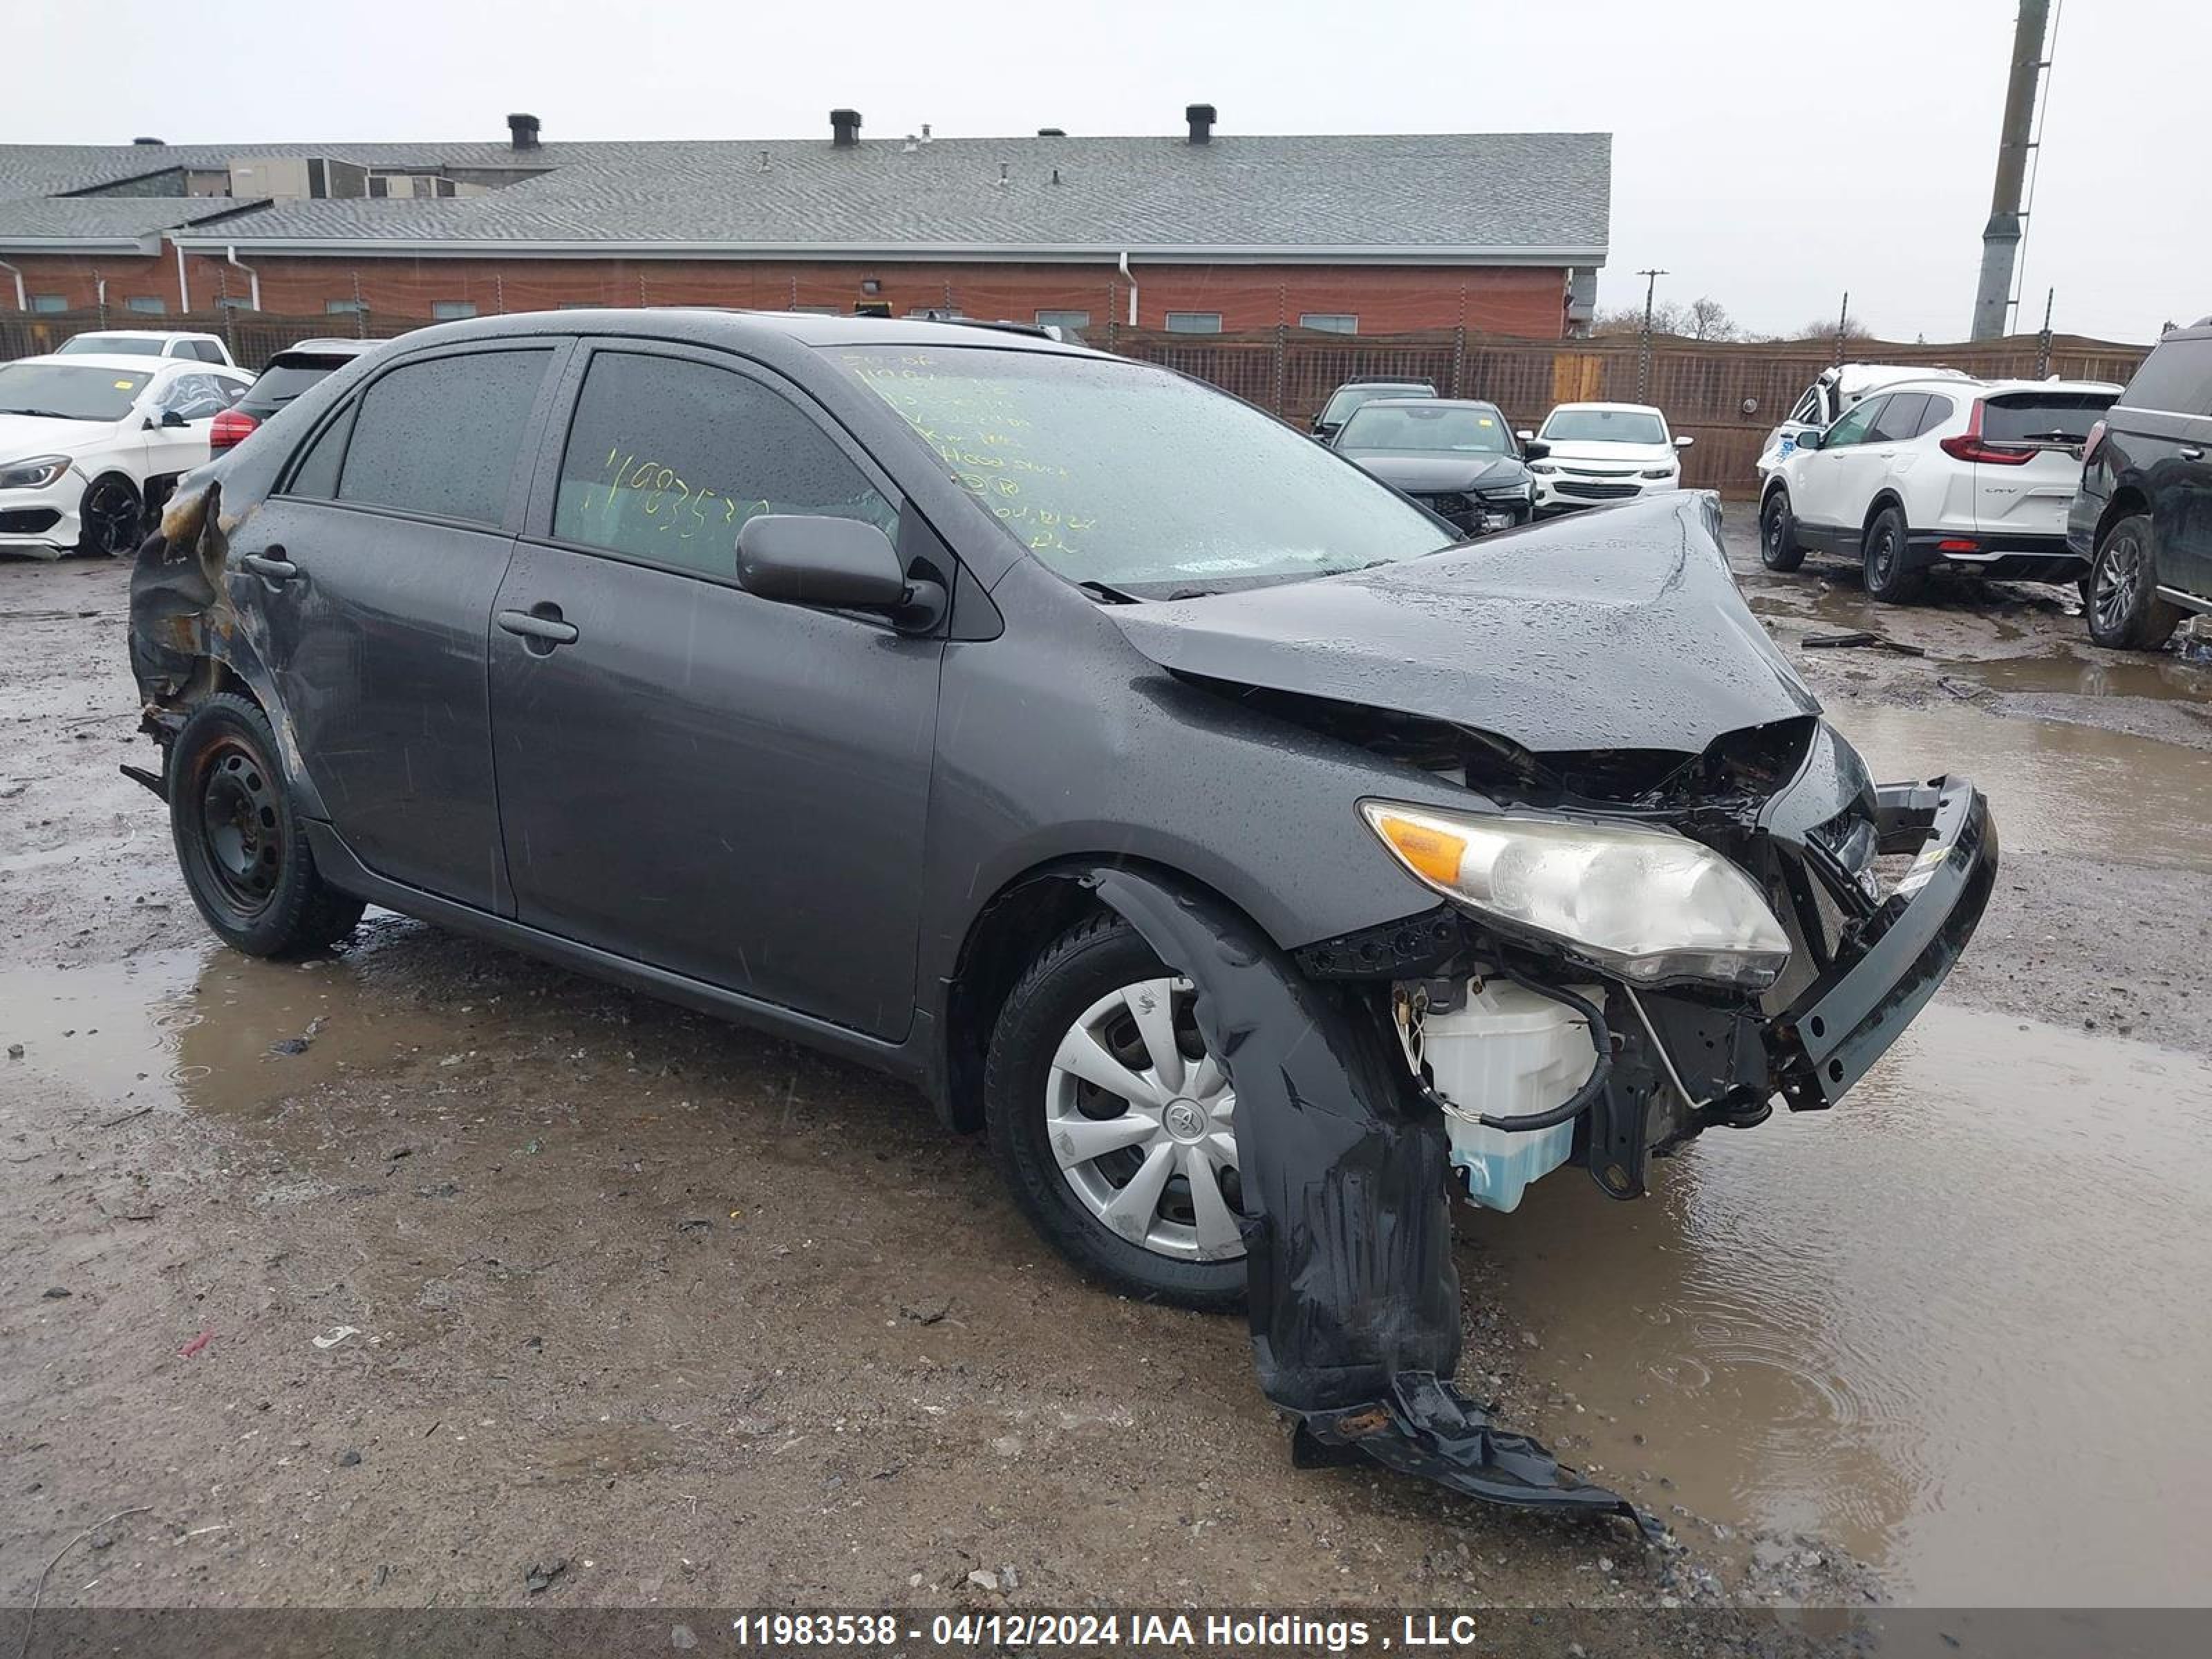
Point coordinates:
[[1777, 534], [2124, 610], [243, 851], [1113, 1126], [1887, 577], [112, 518]]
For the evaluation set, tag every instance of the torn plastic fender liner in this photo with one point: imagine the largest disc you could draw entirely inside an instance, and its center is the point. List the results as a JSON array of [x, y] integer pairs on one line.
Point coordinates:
[[1352, 1290]]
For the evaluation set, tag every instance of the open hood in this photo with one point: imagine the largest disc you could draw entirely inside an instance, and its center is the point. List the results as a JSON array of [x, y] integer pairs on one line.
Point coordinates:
[[1621, 628], [1428, 474]]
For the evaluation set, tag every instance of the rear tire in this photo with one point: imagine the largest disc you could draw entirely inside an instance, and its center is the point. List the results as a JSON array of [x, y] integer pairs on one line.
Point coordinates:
[[243, 850], [1031, 1103], [1778, 549], [1886, 550], [2124, 610]]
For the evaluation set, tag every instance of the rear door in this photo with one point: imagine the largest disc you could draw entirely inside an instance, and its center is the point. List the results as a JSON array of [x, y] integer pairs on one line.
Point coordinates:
[[726, 787], [373, 567], [2162, 434], [2031, 459]]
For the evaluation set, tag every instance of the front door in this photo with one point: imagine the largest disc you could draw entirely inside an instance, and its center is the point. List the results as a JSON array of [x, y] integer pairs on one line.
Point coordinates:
[[726, 787], [1821, 490], [374, 566]]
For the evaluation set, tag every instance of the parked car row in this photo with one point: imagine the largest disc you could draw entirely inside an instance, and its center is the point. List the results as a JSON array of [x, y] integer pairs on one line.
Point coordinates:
[[1461, 459], [2051, 480]]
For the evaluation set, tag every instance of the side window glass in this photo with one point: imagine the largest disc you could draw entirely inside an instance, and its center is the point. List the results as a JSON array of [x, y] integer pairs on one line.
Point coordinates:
[[1900, 417], [2175, 378], [440, 437], [667, 460], [194, 397], [1852, 428], [1938, 411], [204, 350], [316, 474]]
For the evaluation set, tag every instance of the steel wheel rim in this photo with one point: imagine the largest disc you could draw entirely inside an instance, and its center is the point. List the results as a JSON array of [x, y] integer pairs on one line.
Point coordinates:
[[1884, 555], [1142, 1122], [2119, 574], [111, 513], [1773, 531], [240, 828]]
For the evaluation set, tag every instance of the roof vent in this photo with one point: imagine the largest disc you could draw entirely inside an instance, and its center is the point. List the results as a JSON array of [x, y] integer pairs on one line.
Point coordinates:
[[925, 132], [1002, 175], [522, 132], [1201, 119], [1052, 132], [911, 145], [155, 144], [844, 128], [1055, 175]]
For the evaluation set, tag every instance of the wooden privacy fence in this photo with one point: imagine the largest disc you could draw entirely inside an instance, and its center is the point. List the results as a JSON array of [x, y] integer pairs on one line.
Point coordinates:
[[1726, 397]]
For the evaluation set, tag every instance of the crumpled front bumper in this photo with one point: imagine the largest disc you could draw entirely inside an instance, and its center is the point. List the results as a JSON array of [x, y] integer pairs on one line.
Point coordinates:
[[1848, 1018]]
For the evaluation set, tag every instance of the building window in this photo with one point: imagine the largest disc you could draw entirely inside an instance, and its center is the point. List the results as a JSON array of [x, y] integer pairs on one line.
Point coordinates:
[[343, 307], [148, 305], [820, 310], [1194, 322], [50, 302], [448, 311], [1063, 319], [583, 305], [236, 302], [1330, 322]]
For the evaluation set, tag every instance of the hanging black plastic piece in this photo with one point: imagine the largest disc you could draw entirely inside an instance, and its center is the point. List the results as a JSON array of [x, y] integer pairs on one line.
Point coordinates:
[[1353, 1293]]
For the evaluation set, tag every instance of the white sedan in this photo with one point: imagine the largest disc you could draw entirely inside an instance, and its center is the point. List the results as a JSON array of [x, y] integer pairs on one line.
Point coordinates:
[[91, 445], [1588, 453]]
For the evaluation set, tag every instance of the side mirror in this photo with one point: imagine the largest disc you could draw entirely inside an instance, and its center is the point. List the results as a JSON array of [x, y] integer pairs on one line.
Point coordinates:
[[1809, 439], [841, 564], [1532, 449], [171, 418], [1684, 441]]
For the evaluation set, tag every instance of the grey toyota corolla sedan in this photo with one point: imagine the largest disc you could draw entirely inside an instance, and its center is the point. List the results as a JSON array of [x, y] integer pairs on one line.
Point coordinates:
[[1151, 787]]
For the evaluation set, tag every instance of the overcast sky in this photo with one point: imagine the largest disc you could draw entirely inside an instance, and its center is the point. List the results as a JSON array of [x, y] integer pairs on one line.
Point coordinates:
[[1770, 155]]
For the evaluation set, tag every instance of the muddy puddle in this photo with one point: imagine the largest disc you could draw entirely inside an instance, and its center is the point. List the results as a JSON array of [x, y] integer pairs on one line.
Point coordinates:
[[2054, 787], [1955, 1325], [2164, 677]]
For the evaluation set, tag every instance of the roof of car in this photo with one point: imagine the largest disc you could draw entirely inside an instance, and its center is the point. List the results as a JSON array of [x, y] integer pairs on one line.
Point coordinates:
[[717, 323], [121, 362], [150, 334], [1616, 409], [1393, 380], [333, 346], [1426, 404]]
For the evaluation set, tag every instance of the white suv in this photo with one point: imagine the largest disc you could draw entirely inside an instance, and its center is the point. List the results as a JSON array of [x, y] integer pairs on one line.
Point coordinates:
[[1585, 454], [1973, 473], [147, 343]]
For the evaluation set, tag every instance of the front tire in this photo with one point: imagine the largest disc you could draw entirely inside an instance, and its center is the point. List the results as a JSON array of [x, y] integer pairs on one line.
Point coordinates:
[[1887, 577], [1779, 548], [1113, 1127], [2124, 609], [243, 850], [112, 518]]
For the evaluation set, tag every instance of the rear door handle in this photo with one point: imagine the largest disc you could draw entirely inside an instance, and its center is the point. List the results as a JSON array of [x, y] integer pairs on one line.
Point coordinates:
[[272, 566], [542, 624]]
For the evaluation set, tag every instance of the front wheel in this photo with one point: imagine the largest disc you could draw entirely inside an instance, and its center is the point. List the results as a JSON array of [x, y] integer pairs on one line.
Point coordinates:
[[1887, 577], [1113, 1126], [243, 851], [1778, 549], [2124, 609], [112, 518]]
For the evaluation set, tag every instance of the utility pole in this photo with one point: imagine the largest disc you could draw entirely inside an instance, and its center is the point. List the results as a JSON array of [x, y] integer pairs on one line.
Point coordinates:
[[2043, 347], [2000, 236], [1644, 353], [1843, 322]]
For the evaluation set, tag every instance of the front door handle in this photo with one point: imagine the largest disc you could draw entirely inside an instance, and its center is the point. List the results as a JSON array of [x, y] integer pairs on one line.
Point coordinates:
[[540, 625], [2190, 453], [272, 566]]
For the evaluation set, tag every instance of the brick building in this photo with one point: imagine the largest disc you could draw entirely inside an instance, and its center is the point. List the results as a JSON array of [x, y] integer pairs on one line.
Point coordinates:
[[1204, 231]]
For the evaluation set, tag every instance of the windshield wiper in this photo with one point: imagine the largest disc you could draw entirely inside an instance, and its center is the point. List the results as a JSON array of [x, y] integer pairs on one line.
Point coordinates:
[[48, 414], [1105, 595]]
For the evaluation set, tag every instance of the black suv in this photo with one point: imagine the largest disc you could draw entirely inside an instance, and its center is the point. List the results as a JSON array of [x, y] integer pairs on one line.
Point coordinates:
[[2143, 515]]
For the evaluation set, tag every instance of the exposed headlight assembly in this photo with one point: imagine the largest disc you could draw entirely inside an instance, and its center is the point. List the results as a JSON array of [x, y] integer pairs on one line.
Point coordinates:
[[1658, 472], [34, 474], [1542, 466], [1646, 904]]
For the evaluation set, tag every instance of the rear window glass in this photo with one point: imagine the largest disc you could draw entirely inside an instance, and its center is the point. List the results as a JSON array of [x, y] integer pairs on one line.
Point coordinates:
[[2050, 417], [283, 381], [441, 437], [2176, 377], [1347, 398]]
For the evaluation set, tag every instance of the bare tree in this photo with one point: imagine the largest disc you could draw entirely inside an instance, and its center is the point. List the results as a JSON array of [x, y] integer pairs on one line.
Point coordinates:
[[1824, 329], [1707, 318], [1702, 319]]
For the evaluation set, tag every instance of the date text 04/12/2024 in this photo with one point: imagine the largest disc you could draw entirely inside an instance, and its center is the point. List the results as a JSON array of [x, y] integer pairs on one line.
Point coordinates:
[[1248, 1632]]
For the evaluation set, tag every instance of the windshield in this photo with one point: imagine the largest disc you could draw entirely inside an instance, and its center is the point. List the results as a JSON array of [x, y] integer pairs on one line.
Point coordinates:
[[72, 393], [1445, 429], [1603, 426], [1349, 398], [1123, 474], [119, 345]]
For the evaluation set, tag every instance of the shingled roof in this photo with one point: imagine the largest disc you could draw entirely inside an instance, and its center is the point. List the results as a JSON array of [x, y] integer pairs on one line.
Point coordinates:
[[1473, 197]]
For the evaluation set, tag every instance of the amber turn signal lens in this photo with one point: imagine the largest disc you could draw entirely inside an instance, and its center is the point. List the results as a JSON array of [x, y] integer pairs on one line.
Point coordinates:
[[1429, 850]]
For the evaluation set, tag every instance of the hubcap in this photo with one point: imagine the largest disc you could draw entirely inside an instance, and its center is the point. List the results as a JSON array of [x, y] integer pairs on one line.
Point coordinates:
[[239, 825], [111, 517], [2119, 574], [1142, 1121]]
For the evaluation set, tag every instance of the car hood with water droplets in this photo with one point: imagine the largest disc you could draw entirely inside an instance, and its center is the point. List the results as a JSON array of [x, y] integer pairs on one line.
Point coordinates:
[[1619, 628]]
